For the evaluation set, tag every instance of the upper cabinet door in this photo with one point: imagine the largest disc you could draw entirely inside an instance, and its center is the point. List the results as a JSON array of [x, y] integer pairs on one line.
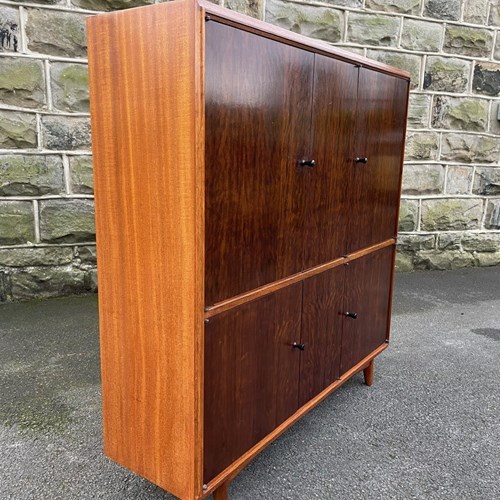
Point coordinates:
[[325, 215], [258, 121], [374, 184]]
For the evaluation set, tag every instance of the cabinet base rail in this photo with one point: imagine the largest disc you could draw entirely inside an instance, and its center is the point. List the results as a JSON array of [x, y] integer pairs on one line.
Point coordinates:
[[220, 484]]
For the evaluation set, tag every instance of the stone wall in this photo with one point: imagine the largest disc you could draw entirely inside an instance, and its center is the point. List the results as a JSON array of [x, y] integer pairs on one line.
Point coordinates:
[[450, 213]]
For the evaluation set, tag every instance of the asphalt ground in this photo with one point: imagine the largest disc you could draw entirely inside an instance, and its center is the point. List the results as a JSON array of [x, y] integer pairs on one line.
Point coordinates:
[[429, 427]]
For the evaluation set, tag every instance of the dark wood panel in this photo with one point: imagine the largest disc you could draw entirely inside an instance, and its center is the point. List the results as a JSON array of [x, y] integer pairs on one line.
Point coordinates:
[[321, 332], [282, 35], [251, 375], [374, 187], [326, 212], [258, 117], [367, 294]]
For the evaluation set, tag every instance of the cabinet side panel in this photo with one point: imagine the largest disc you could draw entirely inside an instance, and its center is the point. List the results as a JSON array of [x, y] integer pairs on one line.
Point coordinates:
[[145, 118]]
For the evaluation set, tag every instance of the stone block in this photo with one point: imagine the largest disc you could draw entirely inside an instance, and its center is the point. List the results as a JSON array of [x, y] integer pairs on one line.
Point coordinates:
[[494, 121], [372, 29], [496, 53], [486, 242], [317, 22], [494, 17], [487, 181], [9, 29], [470, 148], [22, 83], [67, 221], [36, 256], [412, 243], [460, 113], [5, 287], [403, 6], [488, 259], [442, 260], [451, 214], [447, 74], [17, 130], [486, 79], [422, 35], [408, 215], [492, 216], [468, 41], [22, 175], [419, 111], [459, 180], [107, 5], [476, 11], [56, 33], [17, 222], [70, 86], [91, 280], [66, 133], [249, 7], [422, 146], [81, 174], [44, 282], [408, 62], [423, 179], [443, 9], [403, 263], [449, 241], [87, 255]]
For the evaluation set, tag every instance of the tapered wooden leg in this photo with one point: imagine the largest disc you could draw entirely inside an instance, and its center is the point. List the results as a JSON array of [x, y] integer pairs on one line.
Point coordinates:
[[222, 492], [368, 373]]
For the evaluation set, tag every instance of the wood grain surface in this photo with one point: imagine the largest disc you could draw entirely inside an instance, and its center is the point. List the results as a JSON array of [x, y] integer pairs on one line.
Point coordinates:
[[323, 297], [367, 294], [251, 375], [145, 75], [374, 187], [258, 113]]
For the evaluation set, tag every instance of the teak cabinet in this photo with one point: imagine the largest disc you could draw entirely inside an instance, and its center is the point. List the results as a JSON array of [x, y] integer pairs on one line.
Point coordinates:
[[247, 184]]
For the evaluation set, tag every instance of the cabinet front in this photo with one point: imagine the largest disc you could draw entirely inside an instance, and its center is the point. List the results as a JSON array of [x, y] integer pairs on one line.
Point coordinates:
[[258, 121], [251, 375], [374, 183], [366, 306], [323, 296]]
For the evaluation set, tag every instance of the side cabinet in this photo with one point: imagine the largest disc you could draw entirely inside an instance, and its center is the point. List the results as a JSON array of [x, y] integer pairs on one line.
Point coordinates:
[[247, 184]]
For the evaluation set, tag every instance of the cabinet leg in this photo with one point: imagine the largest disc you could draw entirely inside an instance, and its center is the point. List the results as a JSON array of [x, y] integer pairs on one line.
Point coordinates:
[[222, 492], [368, 373]]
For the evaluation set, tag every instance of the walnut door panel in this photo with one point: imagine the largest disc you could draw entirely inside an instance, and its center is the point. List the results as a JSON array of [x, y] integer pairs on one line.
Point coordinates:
[[258, 114], [367, 295], [325, 214], [321, 332], [374, 186], [251, 375]]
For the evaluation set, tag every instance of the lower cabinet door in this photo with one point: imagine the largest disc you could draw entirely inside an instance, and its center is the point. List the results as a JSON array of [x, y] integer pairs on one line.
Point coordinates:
[[251, 375], [366, 306], [321, 332]]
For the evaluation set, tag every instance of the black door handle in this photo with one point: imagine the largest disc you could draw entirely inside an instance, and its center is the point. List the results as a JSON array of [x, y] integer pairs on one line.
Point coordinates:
[[307, 163], [361, 160], [301, 347], [351, 315]]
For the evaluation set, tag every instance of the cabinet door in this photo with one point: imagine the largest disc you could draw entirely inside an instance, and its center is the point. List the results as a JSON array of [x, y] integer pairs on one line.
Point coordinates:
[[326, 212], [251, 375], [374, 186], [258, 121], [321, 332], [367, 294]]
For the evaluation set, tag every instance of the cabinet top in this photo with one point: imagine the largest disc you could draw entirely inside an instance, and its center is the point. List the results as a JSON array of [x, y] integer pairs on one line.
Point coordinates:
[[211, 11], [270, 31]]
